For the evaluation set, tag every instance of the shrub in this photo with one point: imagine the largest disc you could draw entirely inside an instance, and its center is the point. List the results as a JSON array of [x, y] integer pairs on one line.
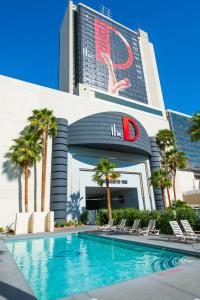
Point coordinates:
[[84, 217], [162, 218], [1, 229], [57, 225], [62, 224], [102, 217]]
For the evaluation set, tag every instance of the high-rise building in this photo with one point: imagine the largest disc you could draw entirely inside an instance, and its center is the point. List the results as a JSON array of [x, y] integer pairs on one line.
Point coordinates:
[[109, 105], [180, 124], [107, 58]]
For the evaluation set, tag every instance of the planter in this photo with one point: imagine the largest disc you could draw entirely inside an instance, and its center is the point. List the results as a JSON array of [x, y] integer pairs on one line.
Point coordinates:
[[22, 223], [42, 221]]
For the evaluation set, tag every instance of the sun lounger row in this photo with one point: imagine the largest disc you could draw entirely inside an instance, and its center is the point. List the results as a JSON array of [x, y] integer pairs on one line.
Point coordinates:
[[151, 228], [187, 234]]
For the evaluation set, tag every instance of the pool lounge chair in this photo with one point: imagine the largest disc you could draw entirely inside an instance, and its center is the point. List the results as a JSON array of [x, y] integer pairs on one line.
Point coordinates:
[[121, 227], [188, 229], [151, 228], [179, 235], [134, 228], [108, 226]]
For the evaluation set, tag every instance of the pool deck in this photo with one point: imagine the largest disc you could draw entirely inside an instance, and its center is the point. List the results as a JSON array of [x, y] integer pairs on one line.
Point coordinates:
[[182, 282]]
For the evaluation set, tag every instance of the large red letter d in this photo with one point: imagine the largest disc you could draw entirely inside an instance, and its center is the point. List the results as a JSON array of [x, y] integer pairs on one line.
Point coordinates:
[[127, 122]]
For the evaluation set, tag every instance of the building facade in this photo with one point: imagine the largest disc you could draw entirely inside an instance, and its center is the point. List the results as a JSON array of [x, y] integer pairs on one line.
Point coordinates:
[[180, 125], [190, 179], [109, 105]]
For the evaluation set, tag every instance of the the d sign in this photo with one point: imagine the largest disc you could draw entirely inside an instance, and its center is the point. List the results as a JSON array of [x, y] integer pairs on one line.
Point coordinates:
[[102, 36], [127, 123]]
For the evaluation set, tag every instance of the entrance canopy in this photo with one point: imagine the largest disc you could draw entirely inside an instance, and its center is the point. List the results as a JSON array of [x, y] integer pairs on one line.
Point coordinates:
[[114, 131]]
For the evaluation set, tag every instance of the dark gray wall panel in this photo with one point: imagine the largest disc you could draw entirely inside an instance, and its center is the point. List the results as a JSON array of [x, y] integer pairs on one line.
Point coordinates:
[[155, 165], [59, 172], [95, 132]]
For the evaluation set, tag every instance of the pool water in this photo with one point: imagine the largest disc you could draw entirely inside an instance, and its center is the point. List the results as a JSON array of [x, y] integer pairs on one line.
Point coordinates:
[[57, 267]]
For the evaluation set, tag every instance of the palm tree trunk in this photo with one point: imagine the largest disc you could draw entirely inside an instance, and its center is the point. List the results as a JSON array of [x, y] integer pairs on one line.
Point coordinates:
[[174, 185], [44, 159], [108, 199], [169, 198], [35, 187], [166, 172], [163, 197], [26, 186]]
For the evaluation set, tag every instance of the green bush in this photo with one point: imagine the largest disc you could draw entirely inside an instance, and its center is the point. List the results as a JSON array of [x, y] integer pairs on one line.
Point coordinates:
[[1, 229], [162, 218], [57, 225], [84, 217]]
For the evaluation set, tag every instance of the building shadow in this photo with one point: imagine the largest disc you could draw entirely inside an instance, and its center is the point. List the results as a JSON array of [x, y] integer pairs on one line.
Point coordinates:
[[13, 173], [10, 292], [73, 206]]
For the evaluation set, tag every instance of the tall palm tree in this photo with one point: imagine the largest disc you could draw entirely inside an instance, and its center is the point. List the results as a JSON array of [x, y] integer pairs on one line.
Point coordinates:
[[176, 160], [160, 180], [165, 139], [44, 123], [194, 130], [25, 151], [104, 172]]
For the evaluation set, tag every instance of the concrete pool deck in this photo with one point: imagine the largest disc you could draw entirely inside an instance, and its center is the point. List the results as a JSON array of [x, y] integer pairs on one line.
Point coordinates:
[[182, 282]]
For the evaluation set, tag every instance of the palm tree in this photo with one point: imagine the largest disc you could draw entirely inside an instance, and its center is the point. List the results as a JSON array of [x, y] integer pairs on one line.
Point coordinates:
[[176, 160], [44, 123], [160, 180], [25, 151], [194, 130], [104, 172], [165, 139]]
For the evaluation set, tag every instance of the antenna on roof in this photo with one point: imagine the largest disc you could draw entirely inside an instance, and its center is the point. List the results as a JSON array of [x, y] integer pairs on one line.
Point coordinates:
[[105, 11]]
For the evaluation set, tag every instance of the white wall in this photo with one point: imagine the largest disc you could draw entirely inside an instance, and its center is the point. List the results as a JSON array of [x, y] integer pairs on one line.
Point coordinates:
[[184, 182], [17, 100], [132, 168], [151, 75], [66, 51]]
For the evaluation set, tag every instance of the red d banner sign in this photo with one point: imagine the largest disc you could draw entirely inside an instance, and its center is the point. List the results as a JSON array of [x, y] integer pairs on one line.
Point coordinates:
[[127, 123], [102, 35]]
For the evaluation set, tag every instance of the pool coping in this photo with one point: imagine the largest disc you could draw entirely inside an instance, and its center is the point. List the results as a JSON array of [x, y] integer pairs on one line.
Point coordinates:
[[15, 279], [13, 284]]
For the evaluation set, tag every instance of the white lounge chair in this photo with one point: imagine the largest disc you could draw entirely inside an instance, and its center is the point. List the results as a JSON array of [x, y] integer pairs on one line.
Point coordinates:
[[151, 228], [120, 227], [188, 229], [134, 228], [178, 233], [108, 226]]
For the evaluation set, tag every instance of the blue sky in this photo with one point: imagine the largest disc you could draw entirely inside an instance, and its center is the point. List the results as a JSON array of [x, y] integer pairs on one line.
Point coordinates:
[[29, 41]]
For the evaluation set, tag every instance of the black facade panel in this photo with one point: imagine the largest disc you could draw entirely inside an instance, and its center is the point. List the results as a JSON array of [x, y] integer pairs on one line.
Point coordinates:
[[95, 132], [59, 171], [58, 175], [58, 167], [155, 165], [56, 199]]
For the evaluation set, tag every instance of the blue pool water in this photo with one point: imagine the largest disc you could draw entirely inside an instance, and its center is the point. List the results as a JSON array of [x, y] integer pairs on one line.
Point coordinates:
[[57, 267]]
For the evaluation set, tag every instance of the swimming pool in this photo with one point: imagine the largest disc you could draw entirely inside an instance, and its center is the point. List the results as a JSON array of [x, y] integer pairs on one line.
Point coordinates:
[[61, 266]]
